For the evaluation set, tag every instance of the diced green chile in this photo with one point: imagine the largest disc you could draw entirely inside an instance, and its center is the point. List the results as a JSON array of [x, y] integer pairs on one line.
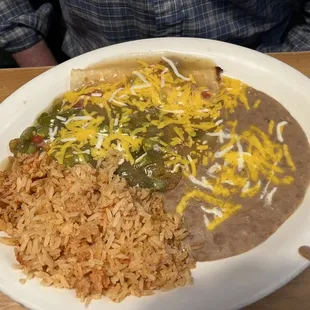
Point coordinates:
[[13, 145], [149, 175], [31, 148], [145, 160], [103, 128], [57, 105], [28, 133], [45, 119], [23, 146], [43, 131]]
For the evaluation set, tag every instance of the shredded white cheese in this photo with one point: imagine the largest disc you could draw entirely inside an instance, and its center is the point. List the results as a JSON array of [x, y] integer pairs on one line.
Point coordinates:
[[269, 196], [218, 212], [61, 118], [204, 110], [206, 220], [96, 94], [203, 182], [145, 85], [140, 158], [206, 210], [112, 98], [99, 141], [172, 111], [162, 78], [214, 168], [279, 133], [245, 187], [119, 147], [176, 168], [240, 155], [78, 118], [156, 148], [264, 191], [139, 75], [221, 135], [114, 94], [215, 211], [220, 154], [68, 139], [85, 125], [219, 122], [174, 68], [189, 157], [82, 152], [132, 88], [52, 133], [121, 161]]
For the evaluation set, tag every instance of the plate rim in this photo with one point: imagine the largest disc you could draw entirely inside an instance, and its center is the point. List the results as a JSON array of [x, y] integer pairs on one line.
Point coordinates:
[[53, 71]]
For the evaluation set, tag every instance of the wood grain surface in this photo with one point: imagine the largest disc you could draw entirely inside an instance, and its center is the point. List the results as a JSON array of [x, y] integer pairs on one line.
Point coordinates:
[[293, 296]]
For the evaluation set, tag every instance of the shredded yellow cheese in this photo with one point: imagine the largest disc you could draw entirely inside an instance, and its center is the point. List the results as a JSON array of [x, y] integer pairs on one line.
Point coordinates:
[[155, 97]]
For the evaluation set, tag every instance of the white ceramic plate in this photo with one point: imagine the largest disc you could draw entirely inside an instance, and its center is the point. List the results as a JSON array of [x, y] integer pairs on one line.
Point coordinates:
[[225, 284]]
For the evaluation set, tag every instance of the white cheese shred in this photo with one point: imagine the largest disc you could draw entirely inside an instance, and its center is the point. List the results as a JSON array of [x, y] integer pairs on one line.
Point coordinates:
[[172, 111], [61, 118], [215, 211], [78, 118], [176, 168], [221, 135], [264, 191], [143, 79], [112, 98], [220, 154], [68, 139], [214, 168], [279, 128], [245, 187], [139, 75], [52, 133], [96, 94], [240, 155], [99, 141], [140, 158], [269, 196], [82, 152], [162, 78], [206, 220], [202, 183], [174, 68]]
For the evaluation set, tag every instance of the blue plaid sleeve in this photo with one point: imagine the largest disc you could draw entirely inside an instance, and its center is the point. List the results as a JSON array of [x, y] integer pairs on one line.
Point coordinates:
[[20, 26], [296, 40]]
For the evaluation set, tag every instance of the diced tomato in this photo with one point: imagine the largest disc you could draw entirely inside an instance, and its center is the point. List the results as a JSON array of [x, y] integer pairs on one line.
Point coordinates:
[[206, 94], [79, 105], [37, 139]]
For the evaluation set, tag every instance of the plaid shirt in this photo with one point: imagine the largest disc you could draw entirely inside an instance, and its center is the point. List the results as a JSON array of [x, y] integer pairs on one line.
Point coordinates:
[[261, 24]]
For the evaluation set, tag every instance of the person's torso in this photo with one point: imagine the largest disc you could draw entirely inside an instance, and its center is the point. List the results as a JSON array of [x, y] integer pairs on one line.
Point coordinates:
[[93, 24]]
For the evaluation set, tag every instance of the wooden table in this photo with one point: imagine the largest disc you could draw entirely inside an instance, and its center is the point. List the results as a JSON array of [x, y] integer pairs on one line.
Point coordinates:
[[293, 296]]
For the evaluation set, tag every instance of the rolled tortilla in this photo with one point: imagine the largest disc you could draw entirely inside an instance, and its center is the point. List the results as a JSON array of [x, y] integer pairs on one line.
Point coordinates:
[[80, 78], [206, 75]]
